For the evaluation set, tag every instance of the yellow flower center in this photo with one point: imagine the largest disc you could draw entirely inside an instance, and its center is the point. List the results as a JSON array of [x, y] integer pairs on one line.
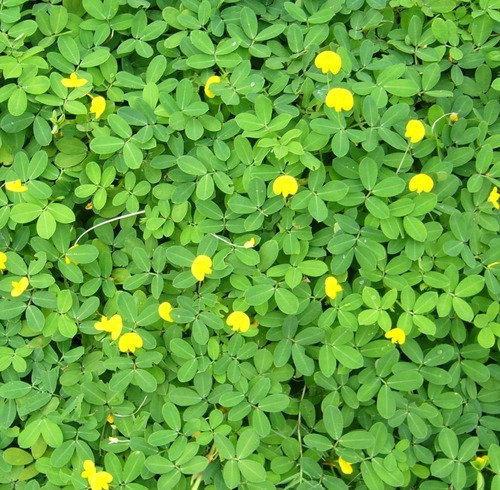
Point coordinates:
[[114, 325], [15, 186], [129, 342], [18, 287], [210, 81], [201, 266], [421, 183], [73, 81], [332, 287], [396, 335], [250, 243], [494, 197], [164, 311], [328, 61], [415, 130], [339, 99], [3, 260], [285, 185], [239, 321], [345, 467], [98, 106]]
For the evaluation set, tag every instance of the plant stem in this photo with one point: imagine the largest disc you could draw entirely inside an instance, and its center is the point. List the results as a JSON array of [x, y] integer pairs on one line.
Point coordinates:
[[403, 159], [106, 222]]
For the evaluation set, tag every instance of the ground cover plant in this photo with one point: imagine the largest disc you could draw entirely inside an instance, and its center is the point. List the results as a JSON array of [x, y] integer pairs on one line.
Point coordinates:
[[249, 244]]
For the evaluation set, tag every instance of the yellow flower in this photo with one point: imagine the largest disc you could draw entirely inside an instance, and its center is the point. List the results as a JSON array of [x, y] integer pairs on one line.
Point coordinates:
[[88, 206], [111, 418], [73, 81], [339, 99], [67, 259], [482, 459], [286, 185], [129, 342], [494, 197], [213, 79], [397, 335], [421, 183], [98, 106], [239, 321], [113, 440], [164, 311], [201, 265], [89, 470], [453, 117], [415, 130], [100, 481], [3, 260], [250, 243], [15, 186], [345, 466], [328, 61], [18, 287], [114, 325], [332, 287]]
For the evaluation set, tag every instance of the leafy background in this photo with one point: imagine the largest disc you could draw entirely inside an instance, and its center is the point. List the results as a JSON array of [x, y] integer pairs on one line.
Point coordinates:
[[313, 380]]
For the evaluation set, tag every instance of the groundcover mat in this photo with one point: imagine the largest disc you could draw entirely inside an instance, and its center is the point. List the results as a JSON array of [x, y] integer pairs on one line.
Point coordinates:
[[249, 244]]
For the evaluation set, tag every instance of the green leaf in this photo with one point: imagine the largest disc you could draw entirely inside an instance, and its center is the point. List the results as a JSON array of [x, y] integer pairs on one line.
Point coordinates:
[[95, 58], [386, 402], [415, 228], [333, 419], [470, 286], [274, 403], [106, 145], [231, 474], [463, 309], [180, 256], [133, 466], [191, 165], [402, 87], [258, 295], [25, 212], [287, 302], [357, 439], [46, 225], [247, 443], [405, 381], [18, 102], [51, 433], [224, 446], [348, 356], [252, 471], [145, 380], [83, 254], [14, 389], [11, 309], [158, 464], [17, 457], [368, 172], [448, 442]]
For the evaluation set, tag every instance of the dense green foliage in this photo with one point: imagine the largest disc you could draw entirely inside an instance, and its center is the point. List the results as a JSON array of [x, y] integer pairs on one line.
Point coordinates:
[[312, 393]]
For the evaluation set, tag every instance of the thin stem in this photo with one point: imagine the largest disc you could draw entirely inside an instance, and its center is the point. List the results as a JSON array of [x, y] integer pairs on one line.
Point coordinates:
[[106, 222], [227, 241], [404, 156], [437, 120]]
